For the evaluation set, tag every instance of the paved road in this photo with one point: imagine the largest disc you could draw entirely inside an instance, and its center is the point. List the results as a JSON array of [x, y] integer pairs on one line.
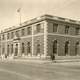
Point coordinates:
[[39, 71]]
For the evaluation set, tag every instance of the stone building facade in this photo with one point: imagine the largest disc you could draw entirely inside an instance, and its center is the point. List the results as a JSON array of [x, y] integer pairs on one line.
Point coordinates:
[[41, 37]]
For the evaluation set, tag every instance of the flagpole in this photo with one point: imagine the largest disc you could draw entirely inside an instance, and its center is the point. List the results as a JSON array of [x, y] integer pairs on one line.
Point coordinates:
[[19, 11], [20, 17]]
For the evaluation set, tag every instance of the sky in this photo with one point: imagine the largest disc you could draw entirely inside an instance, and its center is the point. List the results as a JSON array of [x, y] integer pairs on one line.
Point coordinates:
[[33, 8]]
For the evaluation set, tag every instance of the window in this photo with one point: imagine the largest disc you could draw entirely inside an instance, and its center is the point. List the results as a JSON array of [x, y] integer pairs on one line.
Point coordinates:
[[11, 48], [7, 50], [29, 30], [77, 31], [17, 33], [38, 28], [55, 26], [23, 50], [8, 35], [3, 37], [12, 35], [66, 29], [28, 48], [55, 47], [23, 32], [38, 49], [76, 48], [66, 47], [16, 50], [3, 50]]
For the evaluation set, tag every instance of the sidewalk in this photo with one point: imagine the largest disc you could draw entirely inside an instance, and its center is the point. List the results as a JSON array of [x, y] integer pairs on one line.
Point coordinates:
[[39, 61]]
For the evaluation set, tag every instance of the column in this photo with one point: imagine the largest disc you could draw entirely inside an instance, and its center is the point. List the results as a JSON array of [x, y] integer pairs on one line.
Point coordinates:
[[45, 39], [19, 54], [32, 40]]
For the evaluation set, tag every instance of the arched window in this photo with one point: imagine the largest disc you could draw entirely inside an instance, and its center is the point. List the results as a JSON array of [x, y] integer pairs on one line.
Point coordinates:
[[8, 35], [16, 49], [7, 50], [3, 50], [11, 48], [23, 48], [76, 48], [55, 47], [28, 48], [66, 47], [38, 49]]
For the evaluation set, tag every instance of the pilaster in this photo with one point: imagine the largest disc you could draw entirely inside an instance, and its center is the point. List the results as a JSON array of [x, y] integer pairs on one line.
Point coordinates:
[[32, 41], [45, 38]]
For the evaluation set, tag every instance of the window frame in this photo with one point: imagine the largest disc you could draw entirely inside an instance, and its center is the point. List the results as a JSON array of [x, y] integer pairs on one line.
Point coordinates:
[[28, 48], [12, 35], [76, 48], [38, 28], [55, 27], [67, 47], [77, 31], [23, 48], [8, 35], [67, 29], [54, 46], [28, 30], [23, 32]]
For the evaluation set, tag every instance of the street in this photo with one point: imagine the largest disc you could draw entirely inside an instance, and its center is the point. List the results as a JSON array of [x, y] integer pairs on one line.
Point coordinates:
[[16, 70]]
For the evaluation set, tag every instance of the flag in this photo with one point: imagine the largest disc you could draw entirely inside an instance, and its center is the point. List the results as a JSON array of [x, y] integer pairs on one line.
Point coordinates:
[[18, 10]]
